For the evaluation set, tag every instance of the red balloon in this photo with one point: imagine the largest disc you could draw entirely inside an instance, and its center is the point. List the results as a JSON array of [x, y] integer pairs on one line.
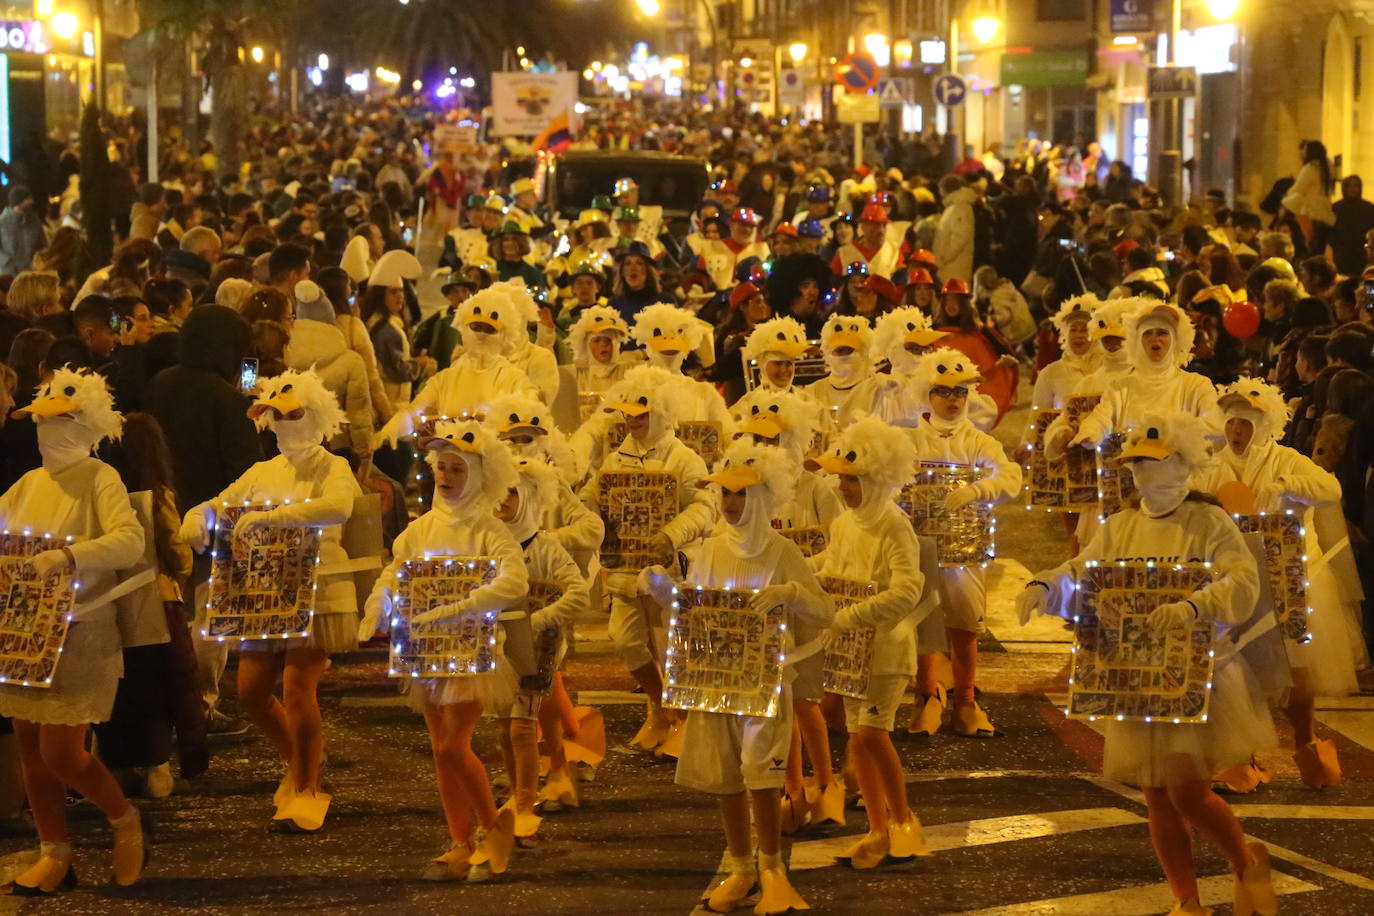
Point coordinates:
[[1242, 319]]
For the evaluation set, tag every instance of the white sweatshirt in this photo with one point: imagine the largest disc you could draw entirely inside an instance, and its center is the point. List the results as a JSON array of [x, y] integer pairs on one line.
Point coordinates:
[[968, 446], [540, 366], [888, 555], [1124, 404], [547, 561]]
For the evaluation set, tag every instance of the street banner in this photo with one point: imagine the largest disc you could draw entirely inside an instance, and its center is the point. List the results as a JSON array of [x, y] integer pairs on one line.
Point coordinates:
[[262, 586], [34, 611], [527, 104], [1125, 670]]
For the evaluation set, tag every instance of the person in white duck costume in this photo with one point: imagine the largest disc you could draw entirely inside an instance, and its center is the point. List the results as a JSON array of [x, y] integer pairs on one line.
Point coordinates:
[[79, 500], [303, 486], [473, 475], [739, 758], [1257, 474], [668, 335], [1058, 380], [873, 541], [850, 389], [595, 339], [1173, 763], [948, 438], [537, 361], [775, 345]]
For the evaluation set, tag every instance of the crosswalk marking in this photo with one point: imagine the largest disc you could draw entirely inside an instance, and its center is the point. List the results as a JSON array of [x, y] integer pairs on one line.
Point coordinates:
[[1307, 812], [1357, 726], [982, 832], [1142, 900]]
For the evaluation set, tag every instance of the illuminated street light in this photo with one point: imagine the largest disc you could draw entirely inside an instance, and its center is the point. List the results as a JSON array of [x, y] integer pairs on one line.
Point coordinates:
[[417, 85], [876, 43], [797, 51], [589, 74], [985, 28], [1222, 10], [65, 25], [256, 54], [649, 7], [324, 61], [746, 62]]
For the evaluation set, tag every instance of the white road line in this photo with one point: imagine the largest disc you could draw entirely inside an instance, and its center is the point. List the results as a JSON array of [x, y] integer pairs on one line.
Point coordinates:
[[1307, 812], [1276, 851], [983, 832], [1142, 900], [609, 698], [1358, 726]]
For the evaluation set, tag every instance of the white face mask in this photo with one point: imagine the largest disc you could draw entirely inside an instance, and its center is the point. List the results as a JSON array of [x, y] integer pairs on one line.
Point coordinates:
[[671, 363], [844, 367], [750, 537], [62, 440], [296, 435], [1163, 485]]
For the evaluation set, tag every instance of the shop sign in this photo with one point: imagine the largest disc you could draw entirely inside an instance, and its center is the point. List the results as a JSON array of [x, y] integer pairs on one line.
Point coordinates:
[[28, 37], [1045, 68]]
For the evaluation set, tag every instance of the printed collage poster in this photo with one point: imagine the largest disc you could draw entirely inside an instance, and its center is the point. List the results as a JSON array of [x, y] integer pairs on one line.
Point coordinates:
[[722, 655], [34, 612]]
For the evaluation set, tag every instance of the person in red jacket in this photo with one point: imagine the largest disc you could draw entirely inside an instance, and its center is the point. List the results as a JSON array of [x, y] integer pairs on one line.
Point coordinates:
[[979, 341]]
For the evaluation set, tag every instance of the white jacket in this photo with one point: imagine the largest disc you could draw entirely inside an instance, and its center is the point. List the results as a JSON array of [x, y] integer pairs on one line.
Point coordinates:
[[547, 561], [889, 556], [954, 235], [466, 387], [540, 365], [1126, 402], [1308, 198], [322, 348], [968, 446]]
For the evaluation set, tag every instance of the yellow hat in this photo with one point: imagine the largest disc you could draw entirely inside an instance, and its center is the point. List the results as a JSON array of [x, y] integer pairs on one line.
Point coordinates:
[[522, 186], [1149, 445], [54, 405], [465, 442], [736, 477], [285, 403], [840, 464]]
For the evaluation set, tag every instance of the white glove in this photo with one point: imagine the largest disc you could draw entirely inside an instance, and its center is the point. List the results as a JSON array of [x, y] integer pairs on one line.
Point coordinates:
[[249, 522], [390, 434], [48, 562], [1170, 615], [443, 613], [771, 596], [958, 499], [377, 606], [1032, 602], [656, 583], [196, 527], [1083, 440], [1057, 442], [1269, 496]]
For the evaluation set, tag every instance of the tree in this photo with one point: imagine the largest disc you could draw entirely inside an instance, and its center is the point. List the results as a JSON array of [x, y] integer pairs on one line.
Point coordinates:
[[96, 206]]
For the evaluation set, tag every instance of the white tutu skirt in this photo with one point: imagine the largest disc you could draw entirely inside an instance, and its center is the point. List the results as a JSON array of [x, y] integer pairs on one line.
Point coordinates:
[[328, 632], [1327, 662], [495, 690], [84, 684], [1159, 754]]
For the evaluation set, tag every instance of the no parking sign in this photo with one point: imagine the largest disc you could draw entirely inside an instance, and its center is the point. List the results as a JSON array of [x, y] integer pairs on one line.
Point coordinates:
[[857, 72]]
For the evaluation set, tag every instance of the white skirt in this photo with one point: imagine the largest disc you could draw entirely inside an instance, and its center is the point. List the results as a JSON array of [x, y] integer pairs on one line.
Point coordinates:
[[328, 632], [1327, 661], [84, 684], [1158, 754], [495, 690]]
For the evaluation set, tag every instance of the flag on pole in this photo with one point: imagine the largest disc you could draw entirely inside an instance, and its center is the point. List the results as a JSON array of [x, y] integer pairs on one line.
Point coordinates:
[[556, 136]]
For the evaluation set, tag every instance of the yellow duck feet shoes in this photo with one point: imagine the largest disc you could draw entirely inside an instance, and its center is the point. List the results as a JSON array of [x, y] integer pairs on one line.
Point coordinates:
[[869, 852], [1255, 886], [657, 724], [737, 884], [672, 745], [970, 721], [1190, 907], [286, 790], [830, 806], [905, 840], [928, 714], [778, 895], [305, 813], [492, 848], [559, 792], [526, 824], [796, 810], [451, 866], [1318, 765], [131, 851], [51, 874]]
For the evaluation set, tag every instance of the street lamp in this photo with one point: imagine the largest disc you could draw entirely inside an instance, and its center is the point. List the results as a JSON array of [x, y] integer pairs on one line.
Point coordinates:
[[256, 54], [876, 43], [797, 51], [985, 28], [649, 7], [1222, 10], [65, 25]]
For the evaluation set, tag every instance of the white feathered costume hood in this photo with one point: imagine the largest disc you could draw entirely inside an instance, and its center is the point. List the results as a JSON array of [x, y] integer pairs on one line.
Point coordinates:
[[491, 467], [299, 409], [668, 334], [75, 412], [901, 329]]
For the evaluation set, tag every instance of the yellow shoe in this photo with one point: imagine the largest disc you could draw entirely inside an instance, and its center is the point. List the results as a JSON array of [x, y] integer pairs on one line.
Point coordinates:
[[130, 848], [589, 744], [831, 804], [970, 721], [796, 811], [451, 866], [672, 745], [306, 811], [657, 724], [526, 822], [286, 790], [494, 849], [928, 714], [730, 893], [1255, 887], [869, 852], [905, 840], [778, 895], [1243, 778], [1190, 907], [1318, 764], [52, 873], [559, 792]]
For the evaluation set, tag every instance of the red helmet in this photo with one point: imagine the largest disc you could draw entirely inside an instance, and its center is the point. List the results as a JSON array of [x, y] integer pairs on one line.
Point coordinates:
[[919, 276], [874, 213], [921, 256], [883, 287], [956, 287], [746, 216], [742, 293]]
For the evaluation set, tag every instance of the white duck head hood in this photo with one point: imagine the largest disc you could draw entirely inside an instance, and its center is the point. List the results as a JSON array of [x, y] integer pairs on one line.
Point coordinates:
[[75, 412], [882, 457], [901, 336], [845, 345], [668, 334], [490, 466], [1151, 314], [768, 480], [779, 416], [298, 409]]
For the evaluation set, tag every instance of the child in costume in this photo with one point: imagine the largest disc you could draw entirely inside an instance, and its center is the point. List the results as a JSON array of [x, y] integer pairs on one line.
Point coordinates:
[[650, 401], [1058, 380], [948, 438], [77, 498], [595, 340], [1107, 329], [668, 334], [850, 390], [473, 474], [776, 345], [901, 337], [481, 374], [1282, 479], [872, 541], [303, 486], [735, 757], [787, 422], [523, 510], [1174, 763]]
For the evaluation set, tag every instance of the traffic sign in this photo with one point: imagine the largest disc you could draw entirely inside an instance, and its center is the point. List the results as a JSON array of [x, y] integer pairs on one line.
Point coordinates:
[[1172, 82], [857, 72], [856, 107], [889, 95], [791, 87], [950, 90]]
